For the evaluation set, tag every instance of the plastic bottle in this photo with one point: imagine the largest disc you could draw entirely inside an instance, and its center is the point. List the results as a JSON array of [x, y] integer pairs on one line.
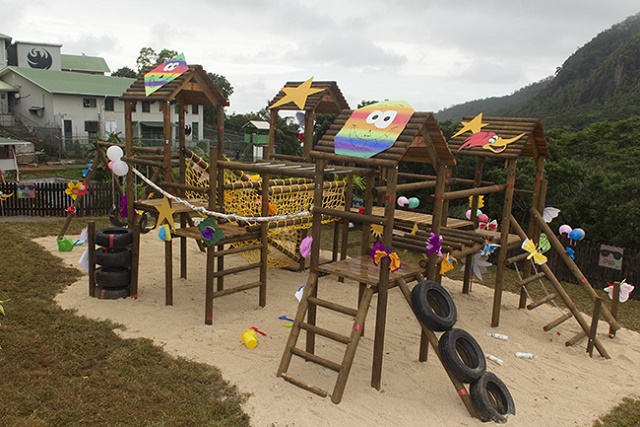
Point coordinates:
[[495, 359], [498, 336], [522, 355]]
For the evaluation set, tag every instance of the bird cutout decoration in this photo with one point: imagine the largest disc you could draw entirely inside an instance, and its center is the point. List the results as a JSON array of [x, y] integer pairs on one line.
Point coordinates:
[[489, 226], [479, 265], [486, 140], [571, 253], [86, 171], [625, 290], [76, 189], [164, 73], [544, 245], [447, 263], [305, 246], [298, 95], [377, 230], [534, 253], [378, 252], [211, 233], [165, 213], [480, 201], [549, 213], [434, 244], [372, 129], [489, 248]]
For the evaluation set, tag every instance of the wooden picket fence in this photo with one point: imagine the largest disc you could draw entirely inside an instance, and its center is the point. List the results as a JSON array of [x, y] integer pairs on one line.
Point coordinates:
[[50, 200]]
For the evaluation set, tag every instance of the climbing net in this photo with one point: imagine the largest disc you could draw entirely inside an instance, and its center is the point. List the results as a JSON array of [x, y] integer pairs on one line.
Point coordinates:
[[288, 196]]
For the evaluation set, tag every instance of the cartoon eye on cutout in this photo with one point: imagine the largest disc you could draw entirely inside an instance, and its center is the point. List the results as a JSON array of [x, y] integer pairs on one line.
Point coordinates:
[[171, 66], [373, 117], [386, 119], [493, 139]]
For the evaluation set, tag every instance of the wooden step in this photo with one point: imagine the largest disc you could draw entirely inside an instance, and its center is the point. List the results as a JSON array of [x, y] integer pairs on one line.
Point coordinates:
[[558, 321], [325, 333], [332, 306], [541, 301], [316, 359], [516, 258], [531, 279], [573, 340], [313, 389]]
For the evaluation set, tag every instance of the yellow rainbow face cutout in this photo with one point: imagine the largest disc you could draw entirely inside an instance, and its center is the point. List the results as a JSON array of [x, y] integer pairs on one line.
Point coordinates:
[[372, 129]]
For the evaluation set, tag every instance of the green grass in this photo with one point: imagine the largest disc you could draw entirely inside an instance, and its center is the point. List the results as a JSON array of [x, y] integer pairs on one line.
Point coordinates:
[[59, 369], [73, 172]]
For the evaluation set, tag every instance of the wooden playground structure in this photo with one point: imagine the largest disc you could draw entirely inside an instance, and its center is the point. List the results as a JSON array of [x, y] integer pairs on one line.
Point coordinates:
[[318, 187]]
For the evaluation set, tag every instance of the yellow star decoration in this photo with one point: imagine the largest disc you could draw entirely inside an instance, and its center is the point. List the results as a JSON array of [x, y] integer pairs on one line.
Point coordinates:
[[480, 201], [475, 125], [377, 230], [165, 213], [297, 95]]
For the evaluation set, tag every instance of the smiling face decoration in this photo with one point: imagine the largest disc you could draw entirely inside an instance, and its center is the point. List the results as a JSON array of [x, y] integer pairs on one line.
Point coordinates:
[[372, 129]]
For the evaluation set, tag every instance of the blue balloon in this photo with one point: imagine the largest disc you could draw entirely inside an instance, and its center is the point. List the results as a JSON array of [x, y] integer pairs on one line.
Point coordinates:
[[577, 234]]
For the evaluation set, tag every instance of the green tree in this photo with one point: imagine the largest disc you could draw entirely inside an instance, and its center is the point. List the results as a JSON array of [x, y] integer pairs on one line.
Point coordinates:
[[124, 72]]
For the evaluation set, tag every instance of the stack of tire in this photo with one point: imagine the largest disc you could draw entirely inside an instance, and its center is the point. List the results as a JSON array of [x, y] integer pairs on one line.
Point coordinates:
[[460, 353], [113, 255]]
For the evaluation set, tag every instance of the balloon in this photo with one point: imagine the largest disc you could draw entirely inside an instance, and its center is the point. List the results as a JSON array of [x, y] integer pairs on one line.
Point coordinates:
[[483, 217], [114, 153], [402, 201], [468, 214], [577, 234], [414, 202], [120, 168], [564, 229], [110, 164]]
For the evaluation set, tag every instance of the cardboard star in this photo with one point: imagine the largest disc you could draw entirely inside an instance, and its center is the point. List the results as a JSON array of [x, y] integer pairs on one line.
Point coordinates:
[[475, 125], [165, 213], [297, 95]]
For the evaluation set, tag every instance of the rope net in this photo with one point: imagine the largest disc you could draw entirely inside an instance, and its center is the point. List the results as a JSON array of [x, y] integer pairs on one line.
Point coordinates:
[[243, 196]]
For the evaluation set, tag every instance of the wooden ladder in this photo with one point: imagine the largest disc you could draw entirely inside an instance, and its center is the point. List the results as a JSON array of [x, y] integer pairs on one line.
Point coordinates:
[[588, 330], [310, 300]]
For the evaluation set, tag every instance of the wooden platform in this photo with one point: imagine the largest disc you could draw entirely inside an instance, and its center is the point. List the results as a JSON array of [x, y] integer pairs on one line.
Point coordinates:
[[420, 218], [152, 205], [362, 270], [230, 231], [513, 240]]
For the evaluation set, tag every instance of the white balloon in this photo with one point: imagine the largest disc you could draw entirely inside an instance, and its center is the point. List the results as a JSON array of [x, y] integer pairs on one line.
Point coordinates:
[[120, 168], [114, 153]]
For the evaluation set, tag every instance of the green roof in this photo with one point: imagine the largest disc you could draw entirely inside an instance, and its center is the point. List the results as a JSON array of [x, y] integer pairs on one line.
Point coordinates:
[[84, 63], [4, 36], [69, 83]]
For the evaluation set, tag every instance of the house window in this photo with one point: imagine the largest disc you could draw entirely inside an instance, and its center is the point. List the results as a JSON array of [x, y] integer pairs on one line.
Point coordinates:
[[89, 102], [108, 103], [195, 134], [194, 109], [91, 127], [146, 107]]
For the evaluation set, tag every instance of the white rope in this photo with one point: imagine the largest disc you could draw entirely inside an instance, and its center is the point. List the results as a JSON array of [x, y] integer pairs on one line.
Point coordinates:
[[232, 217]]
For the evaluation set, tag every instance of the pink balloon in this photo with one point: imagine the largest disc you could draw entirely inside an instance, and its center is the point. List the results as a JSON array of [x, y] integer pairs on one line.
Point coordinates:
[[110, 164], [468, 214], [483, 218], [402, 200], [564, 229]]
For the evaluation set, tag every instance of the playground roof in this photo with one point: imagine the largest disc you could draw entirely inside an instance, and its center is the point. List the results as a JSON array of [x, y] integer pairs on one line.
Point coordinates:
[[329, 101], [193, 87], [532, 144], [421, 141]]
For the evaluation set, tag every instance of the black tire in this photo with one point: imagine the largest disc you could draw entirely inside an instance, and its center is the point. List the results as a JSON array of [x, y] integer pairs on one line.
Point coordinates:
[[433, 306], [114, 237], [147, 222], [461, 355], [114, 217], [491, 398], [116, 257], [112, 293], [113, 277]]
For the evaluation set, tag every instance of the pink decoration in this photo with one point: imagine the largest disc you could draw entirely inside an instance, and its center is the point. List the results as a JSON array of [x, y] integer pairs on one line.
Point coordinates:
[[305, 246]]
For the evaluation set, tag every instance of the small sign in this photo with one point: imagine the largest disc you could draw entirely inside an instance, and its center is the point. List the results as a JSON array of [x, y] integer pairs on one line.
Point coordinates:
[[611, 257]]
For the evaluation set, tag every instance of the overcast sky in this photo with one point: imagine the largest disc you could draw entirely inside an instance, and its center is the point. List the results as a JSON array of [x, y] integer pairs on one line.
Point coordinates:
[[431, 53]]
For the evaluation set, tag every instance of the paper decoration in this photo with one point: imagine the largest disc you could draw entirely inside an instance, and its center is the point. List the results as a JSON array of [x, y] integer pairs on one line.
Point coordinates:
[[305, 246], [486, 140], [76, 189], [571, 253], [480, 201], [299, 293], [297, 95], [378, 252], [549, 213], [544, 244], [434, 244], [211, 233], [165, 213], [625, 290], [86, 171], [164, 73], [478, 265], [26, 190], [164, 233], [534, 253], [377, 230], [489, 248], [610, 257], [83, 261], [447, 263], [372, 129]]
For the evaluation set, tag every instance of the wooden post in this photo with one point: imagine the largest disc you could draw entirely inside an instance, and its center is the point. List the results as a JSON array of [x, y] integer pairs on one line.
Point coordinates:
[[614, 306], [130, 187], [505, 226], [264, 239], [438, 215], [91, 241], [182, 180], [468, 265], [309, 119], [135, 262], [220, 115], [594, 326]]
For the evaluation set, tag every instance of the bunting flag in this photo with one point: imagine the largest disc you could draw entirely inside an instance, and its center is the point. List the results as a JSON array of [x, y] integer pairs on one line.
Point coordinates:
[[164, 73]]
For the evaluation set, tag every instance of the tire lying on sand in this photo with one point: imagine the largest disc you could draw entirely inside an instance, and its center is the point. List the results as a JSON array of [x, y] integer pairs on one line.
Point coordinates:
[[491, 398], [113, 277], [433, 306], [114, 237], [461, 355], [115, 257]]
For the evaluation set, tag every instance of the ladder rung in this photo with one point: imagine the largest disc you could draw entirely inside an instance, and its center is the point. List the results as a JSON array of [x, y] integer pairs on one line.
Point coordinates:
[[313, 389], [531, 279], [541, 301], [316, 359], [571, 341], [517, 258], [558, 321], [333, 306], [325, 333]]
